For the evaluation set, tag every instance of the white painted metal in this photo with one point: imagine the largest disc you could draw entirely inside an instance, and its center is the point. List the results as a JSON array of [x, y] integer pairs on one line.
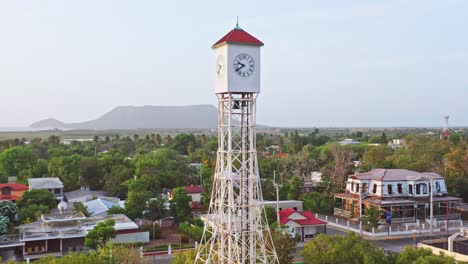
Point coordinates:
[[236, 230]]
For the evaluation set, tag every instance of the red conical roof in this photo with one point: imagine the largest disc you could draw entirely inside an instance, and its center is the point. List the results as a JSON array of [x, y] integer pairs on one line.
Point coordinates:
[[238, 36]]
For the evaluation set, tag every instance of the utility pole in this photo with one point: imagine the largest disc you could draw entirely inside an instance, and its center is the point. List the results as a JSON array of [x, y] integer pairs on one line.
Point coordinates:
[[277, 199], [432, 207]]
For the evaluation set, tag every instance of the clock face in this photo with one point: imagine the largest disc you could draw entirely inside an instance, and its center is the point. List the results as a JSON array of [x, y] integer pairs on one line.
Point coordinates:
[[220, 66], [244, 65]]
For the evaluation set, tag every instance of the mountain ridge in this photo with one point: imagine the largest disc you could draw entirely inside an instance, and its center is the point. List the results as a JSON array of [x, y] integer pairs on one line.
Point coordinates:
[[143, 117]]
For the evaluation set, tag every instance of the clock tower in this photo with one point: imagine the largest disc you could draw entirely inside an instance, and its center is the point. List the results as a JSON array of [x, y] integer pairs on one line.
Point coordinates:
[[236, 230], [237, 62]]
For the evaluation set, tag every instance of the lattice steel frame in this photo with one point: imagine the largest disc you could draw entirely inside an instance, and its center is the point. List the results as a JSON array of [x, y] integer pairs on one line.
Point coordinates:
[[236, 229]]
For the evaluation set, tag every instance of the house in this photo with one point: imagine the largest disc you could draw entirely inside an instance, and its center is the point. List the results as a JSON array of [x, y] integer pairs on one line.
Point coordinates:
[[100, 206], [12, 191], [403, 195], [61, 234], [194, 191], [311, 182], [349, 141], [303, 224], [52, 184], [396, 143]]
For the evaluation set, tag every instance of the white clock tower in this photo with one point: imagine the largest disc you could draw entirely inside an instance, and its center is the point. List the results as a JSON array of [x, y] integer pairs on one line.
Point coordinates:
[[237, 63], [236, 230]]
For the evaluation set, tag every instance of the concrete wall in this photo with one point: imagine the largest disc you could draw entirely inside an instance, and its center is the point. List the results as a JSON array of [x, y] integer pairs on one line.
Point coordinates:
[[142, 237]]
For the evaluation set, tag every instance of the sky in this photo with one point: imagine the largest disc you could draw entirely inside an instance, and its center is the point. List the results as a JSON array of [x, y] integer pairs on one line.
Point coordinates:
[[324, 64]]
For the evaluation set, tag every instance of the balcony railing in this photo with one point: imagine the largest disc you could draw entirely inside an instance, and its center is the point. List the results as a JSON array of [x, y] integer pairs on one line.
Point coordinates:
[[342, 212]]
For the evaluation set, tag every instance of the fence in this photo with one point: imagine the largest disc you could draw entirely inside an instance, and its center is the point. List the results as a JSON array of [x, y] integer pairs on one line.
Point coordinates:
[[393, 230]]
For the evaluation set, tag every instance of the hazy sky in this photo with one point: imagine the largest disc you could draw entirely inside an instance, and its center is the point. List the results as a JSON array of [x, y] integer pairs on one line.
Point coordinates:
[[324, 63]]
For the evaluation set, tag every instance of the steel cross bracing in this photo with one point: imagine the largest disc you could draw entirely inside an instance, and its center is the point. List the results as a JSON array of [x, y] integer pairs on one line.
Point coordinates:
[[236, 230]]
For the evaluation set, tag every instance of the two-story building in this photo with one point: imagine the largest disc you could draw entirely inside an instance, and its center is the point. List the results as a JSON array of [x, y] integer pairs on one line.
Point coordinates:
[[12, 191], [405, 194], [52, 184]]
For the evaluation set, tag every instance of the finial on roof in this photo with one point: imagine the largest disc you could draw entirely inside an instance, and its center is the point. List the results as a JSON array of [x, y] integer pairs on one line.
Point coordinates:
[[237, 24]]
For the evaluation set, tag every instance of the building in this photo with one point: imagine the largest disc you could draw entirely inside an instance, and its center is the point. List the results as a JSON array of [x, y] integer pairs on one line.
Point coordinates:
[[194, 191], [100, 206], [12, 191], [403, 195], [302, 223], [349, 141], [61, 234], [52, 184], [396, 143], [309, 183], [295, 204]]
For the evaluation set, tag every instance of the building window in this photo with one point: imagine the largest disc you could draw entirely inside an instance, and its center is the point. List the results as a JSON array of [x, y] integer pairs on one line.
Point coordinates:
[[410, 189], [400, 188], [352, 186], [418, 188], [438, 186], [389, 189], [6, 190], [364, 187], [374, 189], [424, 188], [357, 187]]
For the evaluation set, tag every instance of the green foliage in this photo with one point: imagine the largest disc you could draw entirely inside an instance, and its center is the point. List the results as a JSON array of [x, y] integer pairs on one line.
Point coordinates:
[[80, 207], [371, 216], [67, 169], [100, 234], [89, 173], [4, 221], [35, 197], [422, 256], [184, 143], [32, 212], [194, 231], [295, 185], [270, 214], [8, 209], [319, 202], [156, 209], [138, 195], [351, 249], [153, 233], [180, 205], [115, 178], [422, 153], [18, 161], [285, 245], [377, 157], [116, 210], [184, 257]]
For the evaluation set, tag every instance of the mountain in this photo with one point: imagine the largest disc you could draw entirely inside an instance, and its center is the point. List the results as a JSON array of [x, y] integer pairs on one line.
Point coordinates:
[[50, 123], [144, 117]]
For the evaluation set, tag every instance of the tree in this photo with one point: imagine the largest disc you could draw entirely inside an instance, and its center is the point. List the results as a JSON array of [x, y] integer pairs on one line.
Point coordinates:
[[113, 180], [156, 209], [184, 257], [138, 195], [100, 234], [89, 172], [295, 186], [351, 249], [180, 204], [18, 161], [270, 214], [377, 157], [319, 202], [35, 197], [4, 225], [285, 245], [80, 207], [32, 212], [183, 143], [371, 216], [8, 209], [67, 169], [422, 256]]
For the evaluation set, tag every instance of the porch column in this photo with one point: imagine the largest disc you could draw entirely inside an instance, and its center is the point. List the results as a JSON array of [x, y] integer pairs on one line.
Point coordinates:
[[302, 234], [61, 250], [46, 246]]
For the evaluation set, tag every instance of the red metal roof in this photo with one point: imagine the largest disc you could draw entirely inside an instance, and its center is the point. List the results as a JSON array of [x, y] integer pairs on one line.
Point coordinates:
[[193, 189], [238, 35], [14, 186], [310, 219], [9, 197]]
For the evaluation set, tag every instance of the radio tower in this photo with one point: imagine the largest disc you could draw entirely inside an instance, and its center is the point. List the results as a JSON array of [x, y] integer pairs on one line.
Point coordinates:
[[236, 230], [445, 132]]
